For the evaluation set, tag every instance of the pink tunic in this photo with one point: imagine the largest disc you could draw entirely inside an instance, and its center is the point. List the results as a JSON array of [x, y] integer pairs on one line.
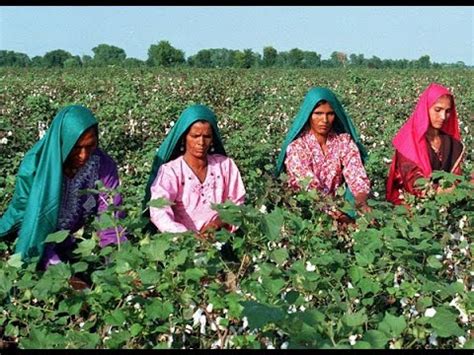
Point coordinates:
[[192, 200], [305, 158]]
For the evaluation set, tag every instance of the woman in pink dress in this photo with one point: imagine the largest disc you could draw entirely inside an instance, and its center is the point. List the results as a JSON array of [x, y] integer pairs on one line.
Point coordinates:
[[192, 171]]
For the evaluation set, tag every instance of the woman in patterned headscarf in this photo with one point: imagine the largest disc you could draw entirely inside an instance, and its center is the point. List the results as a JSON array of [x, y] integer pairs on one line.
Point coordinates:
[[48, 186], [322, 145]]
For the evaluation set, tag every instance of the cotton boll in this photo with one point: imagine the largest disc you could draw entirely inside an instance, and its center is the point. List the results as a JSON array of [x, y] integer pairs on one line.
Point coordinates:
[[430, 312]]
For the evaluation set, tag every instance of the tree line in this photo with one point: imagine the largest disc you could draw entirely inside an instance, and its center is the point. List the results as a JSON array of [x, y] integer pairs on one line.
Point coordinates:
[[164, 54]]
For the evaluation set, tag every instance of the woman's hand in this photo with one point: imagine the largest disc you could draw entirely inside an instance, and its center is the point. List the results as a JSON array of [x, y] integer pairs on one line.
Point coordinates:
[[207, 230]]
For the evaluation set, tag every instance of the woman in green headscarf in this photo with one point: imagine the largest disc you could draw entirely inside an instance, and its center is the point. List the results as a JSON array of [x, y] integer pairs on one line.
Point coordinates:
[[191, 169], [48, 186], [322, 146]]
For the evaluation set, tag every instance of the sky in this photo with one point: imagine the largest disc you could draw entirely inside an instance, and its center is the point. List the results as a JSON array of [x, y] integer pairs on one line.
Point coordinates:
[[444, 33]]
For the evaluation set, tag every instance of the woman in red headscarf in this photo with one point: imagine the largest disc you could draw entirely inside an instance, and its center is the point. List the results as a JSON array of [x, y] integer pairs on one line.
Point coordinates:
[[429, 140]]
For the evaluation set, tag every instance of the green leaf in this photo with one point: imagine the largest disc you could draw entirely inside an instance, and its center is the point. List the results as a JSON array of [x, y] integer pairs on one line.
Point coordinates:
[[156, 249], [445, 323], [160, 203], [194, 274], [117, 318], [362, 345], [136, 329], [57, 237], [433, 262], [392, 326], [366, 286], [85, 247], [158, 309], [376, 339], [273, 223], [259, 314], [79, 266], [355, 319], [279, 255], [81, 340], [356, 273], [15, 261], [273, 285]]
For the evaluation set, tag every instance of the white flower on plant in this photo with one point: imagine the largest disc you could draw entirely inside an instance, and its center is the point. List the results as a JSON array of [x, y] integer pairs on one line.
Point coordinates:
[[349, 285], [188, 329], [218, 245], [245, 322], [137, 306], [430, 312], [292, 309], [203, 321], [386, 160], [433, 339], [462, 222], [462, 313], [9, 133], [356, 301], [310, 267], [209, 308], [413, 311], [263, 209], [4, 140], [352, 339], [461, 340], [171, 123], [259, 280], [404, 302], [376, 194], [196, 316], [308, 298], [284, 345], [302, 308]]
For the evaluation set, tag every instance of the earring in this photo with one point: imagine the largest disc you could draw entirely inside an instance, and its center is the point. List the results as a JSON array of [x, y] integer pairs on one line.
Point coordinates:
[[212, 149], [181, 148]]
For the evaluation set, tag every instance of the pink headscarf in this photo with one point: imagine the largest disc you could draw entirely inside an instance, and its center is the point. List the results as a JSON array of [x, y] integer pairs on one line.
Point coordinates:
[[410, 139]]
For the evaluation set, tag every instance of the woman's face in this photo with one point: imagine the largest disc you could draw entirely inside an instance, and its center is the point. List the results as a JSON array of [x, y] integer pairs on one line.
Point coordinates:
[[322, 118], [82, 150], [199, 139], [440, 111]]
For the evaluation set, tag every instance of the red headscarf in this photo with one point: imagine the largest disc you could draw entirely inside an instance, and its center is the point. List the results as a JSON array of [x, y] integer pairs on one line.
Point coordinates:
[[410, 140]]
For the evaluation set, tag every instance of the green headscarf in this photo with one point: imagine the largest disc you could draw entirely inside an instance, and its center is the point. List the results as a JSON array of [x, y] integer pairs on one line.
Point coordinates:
[[170, 148], [35, 205], [342, 124]]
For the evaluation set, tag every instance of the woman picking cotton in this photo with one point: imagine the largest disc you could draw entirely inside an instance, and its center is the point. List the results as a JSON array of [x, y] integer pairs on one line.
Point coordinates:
[[192, 171], [322, 145], [430, 140], [49, 190]]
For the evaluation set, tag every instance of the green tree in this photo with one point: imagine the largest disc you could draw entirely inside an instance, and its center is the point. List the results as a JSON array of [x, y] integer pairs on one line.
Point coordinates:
[[423, 62], [37, 61], [338, 59], [295, 58], [133, 63], [270, 55], [105, 54], [73, 62], [244, 59], [56, 58], [164, 54], [13, 59], [86, 60], [311, 59], [202, 59]]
